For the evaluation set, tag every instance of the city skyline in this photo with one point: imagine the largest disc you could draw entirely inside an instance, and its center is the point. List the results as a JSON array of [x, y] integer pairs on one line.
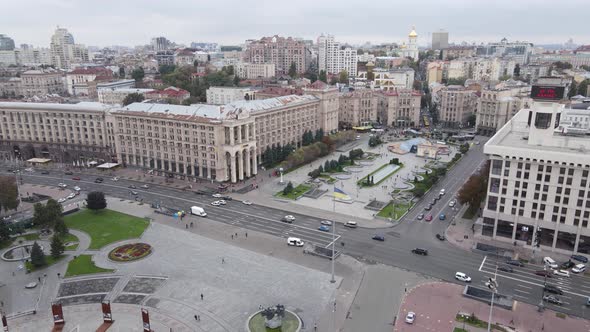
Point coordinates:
[[183, 22]]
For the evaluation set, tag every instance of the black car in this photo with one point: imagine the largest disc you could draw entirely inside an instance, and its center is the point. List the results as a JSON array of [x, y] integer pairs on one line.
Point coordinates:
[[378, 237], [420, 251], [227, 198], [515, 262], [132, 186], [552, 299], [580, 258], [428, 207], [45, 172], [98, 180], [567, 265], [133, 192], [440, 237], [553, 289], [69, 173], [505, 268]]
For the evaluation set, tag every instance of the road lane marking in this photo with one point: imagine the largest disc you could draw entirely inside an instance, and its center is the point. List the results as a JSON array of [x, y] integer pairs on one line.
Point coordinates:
[[523, 286], [482, 263], [521, 291]]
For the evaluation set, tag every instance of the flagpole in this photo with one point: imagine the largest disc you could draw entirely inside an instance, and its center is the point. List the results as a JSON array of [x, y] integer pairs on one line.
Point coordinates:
[[333, 232]]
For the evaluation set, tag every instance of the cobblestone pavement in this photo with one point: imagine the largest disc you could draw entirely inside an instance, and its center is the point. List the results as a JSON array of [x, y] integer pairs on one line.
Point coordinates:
[[437, 304], [87, 286]]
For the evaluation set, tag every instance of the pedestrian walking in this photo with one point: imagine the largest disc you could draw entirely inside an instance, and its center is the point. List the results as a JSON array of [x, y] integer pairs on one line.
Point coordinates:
[[199, 318], [246, 235], [222, 260], [39, 279], [236, 235], [186, 226], [232, 236], [196, 317], [315, 326], [192, 224], [201, 296]]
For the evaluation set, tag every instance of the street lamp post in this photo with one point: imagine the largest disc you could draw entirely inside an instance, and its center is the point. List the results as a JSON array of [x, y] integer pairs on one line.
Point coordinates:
[[333, 280], [493, 285]]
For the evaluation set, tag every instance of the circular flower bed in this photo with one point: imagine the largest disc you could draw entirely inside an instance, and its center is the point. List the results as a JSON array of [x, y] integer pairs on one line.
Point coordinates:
[[130, 252]]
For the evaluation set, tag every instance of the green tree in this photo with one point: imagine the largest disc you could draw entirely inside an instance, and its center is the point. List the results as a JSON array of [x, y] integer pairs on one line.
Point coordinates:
[[121, 72], [9, 193], [96, 201], [39, 216], [138, 74], [166, 69], [312, 76], [573, 89], [343, 77], [60, 227], [327, 167], [583, 88], [4, 232], [236, 80], [37, 255], [133, 98], [293, 70], [474, 190], [456, 81], [57, 247], [319, 134], [288, 189], [323, 76]]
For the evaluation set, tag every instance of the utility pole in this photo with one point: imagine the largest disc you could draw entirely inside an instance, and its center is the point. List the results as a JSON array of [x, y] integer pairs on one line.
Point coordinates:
[[493, 285], [333, 280]]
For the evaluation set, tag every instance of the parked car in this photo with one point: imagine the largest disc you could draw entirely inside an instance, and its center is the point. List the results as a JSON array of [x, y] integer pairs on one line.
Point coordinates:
[[567, 265], [562, 273], [61, 200], [410, 317], [550, 262], [216, 195], [462, 277], [428, 217], [62, 185], [288, 218], [70, 196], [31, 285], [420, 251], [351, 224], [428, 207], [227, 198], [420, 216], [442, 217], [69, 173], [543, 273], [324, 228], [515, 262], [553, 289], [378, 237], [440, 237], [132, 186], [246, 202], [295, 241], [222, 202], [442, 192], [552, 299], [452, 203], [215, 203], [76, 188], [77, 178], [505, 268], [579, 268], [579, 258]]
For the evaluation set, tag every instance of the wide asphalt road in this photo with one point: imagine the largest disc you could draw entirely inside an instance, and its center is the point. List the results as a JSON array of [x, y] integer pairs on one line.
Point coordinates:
[[443, 259]]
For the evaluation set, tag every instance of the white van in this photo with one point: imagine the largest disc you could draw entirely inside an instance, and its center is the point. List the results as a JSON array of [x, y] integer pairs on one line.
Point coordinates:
[[295, 241], [351, 224], [550, 262], [198, 211]]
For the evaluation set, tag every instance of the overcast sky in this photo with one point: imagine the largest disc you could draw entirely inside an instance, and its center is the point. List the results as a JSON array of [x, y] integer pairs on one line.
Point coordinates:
[[135, 22]]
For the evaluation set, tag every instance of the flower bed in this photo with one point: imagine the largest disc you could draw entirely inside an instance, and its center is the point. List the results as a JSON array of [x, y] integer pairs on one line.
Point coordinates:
[[130, 252]]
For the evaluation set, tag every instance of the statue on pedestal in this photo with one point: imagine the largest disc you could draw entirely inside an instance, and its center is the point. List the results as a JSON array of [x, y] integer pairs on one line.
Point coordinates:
[[273, 316]]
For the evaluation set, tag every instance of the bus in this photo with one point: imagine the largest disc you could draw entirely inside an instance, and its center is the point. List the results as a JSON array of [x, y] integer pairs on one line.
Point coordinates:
[[426, 122]]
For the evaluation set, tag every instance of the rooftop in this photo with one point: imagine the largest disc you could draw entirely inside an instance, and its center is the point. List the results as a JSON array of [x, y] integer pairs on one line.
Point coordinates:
[[79, 107]]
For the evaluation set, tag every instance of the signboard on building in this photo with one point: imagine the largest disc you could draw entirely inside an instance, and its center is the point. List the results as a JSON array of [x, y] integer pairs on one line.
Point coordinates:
[[540, 92]]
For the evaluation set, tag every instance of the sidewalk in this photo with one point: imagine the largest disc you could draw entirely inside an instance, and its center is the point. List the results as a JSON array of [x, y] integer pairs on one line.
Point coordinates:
[[437, 304]]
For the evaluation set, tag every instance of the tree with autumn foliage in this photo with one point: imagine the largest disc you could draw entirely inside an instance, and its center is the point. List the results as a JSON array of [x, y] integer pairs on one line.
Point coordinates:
[[474, 190]]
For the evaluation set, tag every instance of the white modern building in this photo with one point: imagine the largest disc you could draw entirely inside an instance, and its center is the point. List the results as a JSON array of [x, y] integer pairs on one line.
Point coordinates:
[[64, 52], [219, 95], [116, 96], [333, 59], [390, 79], [539, 192], [246, 70]]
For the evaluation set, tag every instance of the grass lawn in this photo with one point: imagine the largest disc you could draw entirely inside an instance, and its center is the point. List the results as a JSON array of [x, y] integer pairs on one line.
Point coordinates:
[[48, 259], [458, 329], [7, 243], [469, 214], [106, 226], [30, 237], [70, 238], [297, 191], [394, 212], [363, 182], [328, 178], [290, 323], [83, 264]]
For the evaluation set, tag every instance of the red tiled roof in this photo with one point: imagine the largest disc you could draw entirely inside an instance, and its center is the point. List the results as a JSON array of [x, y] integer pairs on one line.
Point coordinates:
[[99, 71], [280, 91], [318, 85], [170, 92]]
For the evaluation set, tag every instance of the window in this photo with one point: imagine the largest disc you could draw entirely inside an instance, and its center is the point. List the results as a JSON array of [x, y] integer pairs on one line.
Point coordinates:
[[540, 168], [576, 222], [533, 214], [544, 197], [558, 190], [537, 187], [570, 172], [562, 170], [560, 180], [569, 181]]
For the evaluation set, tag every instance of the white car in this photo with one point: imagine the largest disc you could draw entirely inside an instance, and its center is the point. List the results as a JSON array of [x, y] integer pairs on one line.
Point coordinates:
[[442, 192], [61, 200], [115, 179], [222, 202], [289, 218], [247, 202], [62, 185], [70, 196], [326, 222], [295, 241], [31, 285], [410, 317], [145, 186], [579, 268], [76, 188], [462, 277], [561, 273], [216, 195], [215, 203], [452, 203]]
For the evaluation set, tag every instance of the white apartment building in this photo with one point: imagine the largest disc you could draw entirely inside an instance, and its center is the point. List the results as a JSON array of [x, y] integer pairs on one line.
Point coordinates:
[[399, 108], [539, 181], [42, 82], [219, 95], [332, 59], [390, 79], [116, 96], [64, 52], [498, 105], [250, 71]]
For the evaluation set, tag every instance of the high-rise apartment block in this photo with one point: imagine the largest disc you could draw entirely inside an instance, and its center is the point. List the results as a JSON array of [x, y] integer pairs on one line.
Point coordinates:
[[498, 105], [539, 186], [457, 104], [519, 51], [6, 43], [161, 44], [64, 52], [333, 59], [440, 40], [280, 51]]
